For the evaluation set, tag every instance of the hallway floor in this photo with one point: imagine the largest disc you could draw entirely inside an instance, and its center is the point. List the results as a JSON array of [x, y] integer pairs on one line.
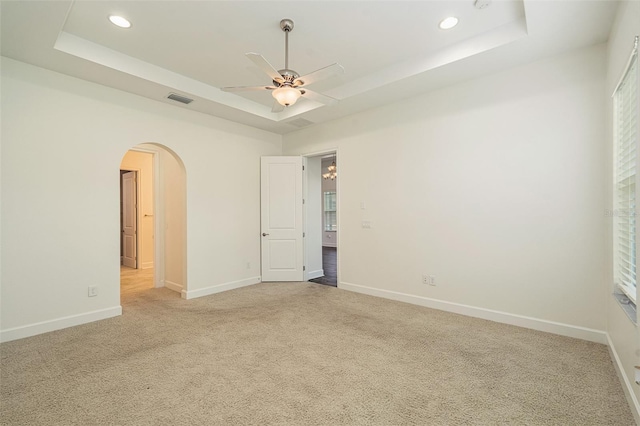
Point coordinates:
[[134, 281], [330, 267]]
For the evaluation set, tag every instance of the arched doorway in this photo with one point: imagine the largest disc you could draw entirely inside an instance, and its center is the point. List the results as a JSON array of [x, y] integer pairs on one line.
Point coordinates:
[[153, 221]]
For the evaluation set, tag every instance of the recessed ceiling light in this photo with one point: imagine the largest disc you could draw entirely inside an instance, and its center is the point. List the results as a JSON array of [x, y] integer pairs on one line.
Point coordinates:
[[448, 23], [119, 21]]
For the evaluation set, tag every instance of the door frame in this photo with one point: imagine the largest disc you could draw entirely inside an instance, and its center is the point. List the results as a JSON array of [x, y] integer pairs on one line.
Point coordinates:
[[328, 151]]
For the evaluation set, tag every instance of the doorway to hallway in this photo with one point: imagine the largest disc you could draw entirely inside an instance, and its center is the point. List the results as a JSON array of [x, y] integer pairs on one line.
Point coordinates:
[[157, 213], [321, 242], [136, 223]]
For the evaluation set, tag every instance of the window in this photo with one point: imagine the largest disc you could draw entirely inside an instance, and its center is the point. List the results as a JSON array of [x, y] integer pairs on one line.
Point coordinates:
[[625, 125], [330, 223]]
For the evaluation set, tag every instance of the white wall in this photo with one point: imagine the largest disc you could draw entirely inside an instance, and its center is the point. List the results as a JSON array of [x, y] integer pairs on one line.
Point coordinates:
[[142, 162], [329, 238], [62, 143], [174, 197], [625, 340], [495, 186]]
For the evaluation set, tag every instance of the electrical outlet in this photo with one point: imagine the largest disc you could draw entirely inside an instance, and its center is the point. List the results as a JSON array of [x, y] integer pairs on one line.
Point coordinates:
[[248, 265], [366, 224], [425, 279], [93, 291]]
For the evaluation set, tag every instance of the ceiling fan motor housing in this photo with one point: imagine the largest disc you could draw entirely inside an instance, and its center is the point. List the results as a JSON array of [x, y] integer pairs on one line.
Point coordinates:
[[289, 76]]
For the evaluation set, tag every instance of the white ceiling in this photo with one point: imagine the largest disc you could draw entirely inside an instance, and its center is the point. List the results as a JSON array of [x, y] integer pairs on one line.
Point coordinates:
[[390, 50]]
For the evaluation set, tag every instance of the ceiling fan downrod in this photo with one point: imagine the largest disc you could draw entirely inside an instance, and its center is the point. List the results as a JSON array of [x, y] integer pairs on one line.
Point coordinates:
[[287, 26]]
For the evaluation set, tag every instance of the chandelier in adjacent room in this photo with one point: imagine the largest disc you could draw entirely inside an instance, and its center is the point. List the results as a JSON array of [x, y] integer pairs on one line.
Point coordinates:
[[331, 170]]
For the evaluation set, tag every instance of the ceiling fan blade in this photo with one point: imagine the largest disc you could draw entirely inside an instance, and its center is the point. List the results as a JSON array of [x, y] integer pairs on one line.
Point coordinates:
[[265, 66], [277, 107], [326, 72], [246, 88], [318, 97]]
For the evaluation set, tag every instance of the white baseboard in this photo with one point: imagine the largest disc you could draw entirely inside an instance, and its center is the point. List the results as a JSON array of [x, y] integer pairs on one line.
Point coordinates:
[[488, 314], [146, 265], [173, 286], [314, 274], [626, 384], [58, 324], [218, 288]]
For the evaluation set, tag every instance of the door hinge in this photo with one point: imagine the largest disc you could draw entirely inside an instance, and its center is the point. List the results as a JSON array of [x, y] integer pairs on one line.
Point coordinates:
[[303, 201], [304, 234], [302, 167], [304, 268]]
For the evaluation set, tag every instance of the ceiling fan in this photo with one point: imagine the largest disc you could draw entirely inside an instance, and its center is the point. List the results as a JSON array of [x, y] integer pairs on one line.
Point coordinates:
[[288, 86]]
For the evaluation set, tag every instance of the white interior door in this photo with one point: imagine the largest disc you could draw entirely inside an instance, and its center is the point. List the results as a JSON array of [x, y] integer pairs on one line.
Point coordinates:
[[281, 219], [129, 219]]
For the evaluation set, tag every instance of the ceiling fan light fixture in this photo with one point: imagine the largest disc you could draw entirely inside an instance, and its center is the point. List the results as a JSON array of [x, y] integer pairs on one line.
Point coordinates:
[[448, 23], [286, 95], [119, 21]]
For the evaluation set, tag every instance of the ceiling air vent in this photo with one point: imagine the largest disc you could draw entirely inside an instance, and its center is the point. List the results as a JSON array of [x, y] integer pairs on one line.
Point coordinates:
[[178, 98], [300, 122]]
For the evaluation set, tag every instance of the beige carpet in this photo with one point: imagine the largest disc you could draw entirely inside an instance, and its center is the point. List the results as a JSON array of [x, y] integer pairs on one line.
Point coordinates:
[[303, 354]]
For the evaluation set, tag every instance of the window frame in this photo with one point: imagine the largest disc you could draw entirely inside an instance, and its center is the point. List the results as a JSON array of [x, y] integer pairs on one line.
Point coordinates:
[[333, 226], [625, 214]]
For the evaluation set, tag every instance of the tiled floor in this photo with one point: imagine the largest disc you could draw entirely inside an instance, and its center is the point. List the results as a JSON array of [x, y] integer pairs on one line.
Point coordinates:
[[134, 281], [330, 266]]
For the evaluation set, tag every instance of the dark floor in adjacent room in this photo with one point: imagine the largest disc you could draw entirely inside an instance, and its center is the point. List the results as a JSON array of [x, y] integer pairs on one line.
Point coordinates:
[[330, 267]]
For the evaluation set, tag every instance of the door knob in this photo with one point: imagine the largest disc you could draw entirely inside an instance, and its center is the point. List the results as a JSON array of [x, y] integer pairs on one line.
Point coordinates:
[[264, 234]]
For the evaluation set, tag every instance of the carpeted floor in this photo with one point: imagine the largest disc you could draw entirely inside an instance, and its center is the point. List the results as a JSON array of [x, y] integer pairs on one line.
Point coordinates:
[[303, 354]]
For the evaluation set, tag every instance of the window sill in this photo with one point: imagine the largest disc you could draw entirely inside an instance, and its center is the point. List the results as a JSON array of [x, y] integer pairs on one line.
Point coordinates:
[[627, 306], [630, 292]]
